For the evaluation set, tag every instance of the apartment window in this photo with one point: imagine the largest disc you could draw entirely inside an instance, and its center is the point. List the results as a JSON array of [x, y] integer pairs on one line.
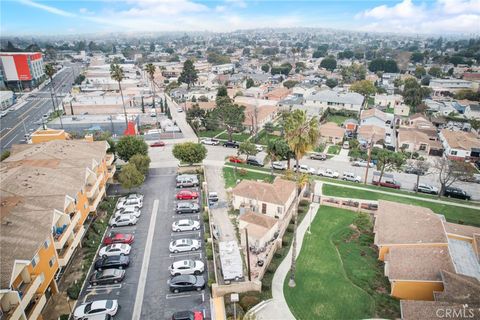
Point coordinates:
[[35, 260], [423, 147], [264, 208], [279, 210], [46, 244], [51, 262], [453, 153]]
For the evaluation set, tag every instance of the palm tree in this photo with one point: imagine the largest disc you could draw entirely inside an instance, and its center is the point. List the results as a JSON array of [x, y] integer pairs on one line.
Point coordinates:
[[301, 135], [150, 70], [271, 155], [116, 73], [50, 71]]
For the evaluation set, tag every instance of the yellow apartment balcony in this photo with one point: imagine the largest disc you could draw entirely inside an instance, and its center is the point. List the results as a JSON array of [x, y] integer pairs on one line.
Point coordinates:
[[27, 291], [111, 173], [66, 253], [94, 204], [109, 159], [92, 189], [61, 239], [35, 307]]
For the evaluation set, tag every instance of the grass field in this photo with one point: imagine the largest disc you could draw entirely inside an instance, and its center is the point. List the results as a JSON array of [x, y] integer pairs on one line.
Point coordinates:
[[236, 136], [451, 213], [334, 149], [209, 134], [336, 118], [230, 177], [338, 274], [264, 137]]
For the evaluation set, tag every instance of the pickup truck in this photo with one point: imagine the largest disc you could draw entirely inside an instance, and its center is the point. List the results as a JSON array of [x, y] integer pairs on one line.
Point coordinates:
[[329, 173]]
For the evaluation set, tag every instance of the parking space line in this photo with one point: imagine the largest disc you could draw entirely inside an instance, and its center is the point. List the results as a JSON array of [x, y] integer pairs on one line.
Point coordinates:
[[104, 287], [185, 254], [182, 295], [137, 309], [185, 233]]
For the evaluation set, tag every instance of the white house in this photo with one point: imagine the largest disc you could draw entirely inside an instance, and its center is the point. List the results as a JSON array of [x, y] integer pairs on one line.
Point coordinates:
[[388, 100], [442, 86], [472, 111], [261, 228], [223, 68], [460, 145], [273, 199], [324, 99], [376, 117]]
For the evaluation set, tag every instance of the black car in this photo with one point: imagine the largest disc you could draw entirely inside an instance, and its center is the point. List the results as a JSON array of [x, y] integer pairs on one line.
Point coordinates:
[[187, 207], [113, 262], [186, 283], [187, 315], [456, 193], [413, 170], [254, 162], [107, 276], [231, 144]]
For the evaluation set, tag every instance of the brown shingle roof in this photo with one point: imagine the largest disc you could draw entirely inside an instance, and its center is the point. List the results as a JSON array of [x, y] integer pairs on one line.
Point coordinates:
[[417, 137], [371, 131], [258, 219], [398, 223], [374, 112], [459, 289], [430, 310], [461, 230], [277, 192], [461, 140], [421, 263], [331, 129]]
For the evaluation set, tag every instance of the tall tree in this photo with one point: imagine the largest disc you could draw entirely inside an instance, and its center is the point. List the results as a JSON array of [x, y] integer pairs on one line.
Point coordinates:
[[277, 149], [387, 159], [189, 152], [247, 148], [150, 70], [128, 146], [301, 135], [50, 71], [116, 73], [141, 162], [329, 63], [189, 73], [228, 116], [420, 166], [130, 177], [364, 87], [450, 171]]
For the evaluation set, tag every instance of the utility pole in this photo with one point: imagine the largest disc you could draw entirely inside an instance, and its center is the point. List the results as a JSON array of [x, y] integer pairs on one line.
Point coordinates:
[[248, 255], [71, 107], [368, 160]]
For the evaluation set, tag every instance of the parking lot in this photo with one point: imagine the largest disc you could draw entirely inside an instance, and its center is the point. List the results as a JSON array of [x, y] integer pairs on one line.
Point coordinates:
[[144, 293]]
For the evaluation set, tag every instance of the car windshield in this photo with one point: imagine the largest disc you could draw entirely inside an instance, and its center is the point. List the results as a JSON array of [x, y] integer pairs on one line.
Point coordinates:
[[88, 307], [109, 304]]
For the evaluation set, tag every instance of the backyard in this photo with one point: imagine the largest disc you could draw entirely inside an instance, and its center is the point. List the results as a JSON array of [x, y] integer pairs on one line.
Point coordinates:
[[452, 213], [338, 119], [338, 274]]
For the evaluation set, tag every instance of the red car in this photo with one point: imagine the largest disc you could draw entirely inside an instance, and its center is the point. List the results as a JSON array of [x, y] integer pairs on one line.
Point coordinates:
[[235, 159], [187, 195], [158, 144], [114, 237]]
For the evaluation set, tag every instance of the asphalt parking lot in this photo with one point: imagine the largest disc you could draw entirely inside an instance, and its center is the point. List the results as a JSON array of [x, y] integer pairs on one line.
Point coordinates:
[[144, 293]]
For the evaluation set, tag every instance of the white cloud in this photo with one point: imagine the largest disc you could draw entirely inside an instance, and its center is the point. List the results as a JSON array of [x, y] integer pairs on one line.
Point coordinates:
[[47, 8], [459, 6], [238, 3], [85, 11], [220, 8], [162, 7], [403, 10]]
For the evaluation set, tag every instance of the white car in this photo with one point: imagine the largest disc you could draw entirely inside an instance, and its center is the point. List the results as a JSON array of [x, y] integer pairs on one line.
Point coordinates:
[[185, 225], [116, 249], [98, 307], [123, 220], [136, 196], [279, 165], [210, 141], [3, 114], [179, 110], [349, 176], [329, 173], [259, 147], [195, 267], [425, 188], [130, 202], [128, 210], [363, 163], [304, 169], [182, 245]]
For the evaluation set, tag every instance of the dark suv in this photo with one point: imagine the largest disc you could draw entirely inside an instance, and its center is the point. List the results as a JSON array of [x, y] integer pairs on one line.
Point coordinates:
[[113, 262], [186, 283], [187, 207], [231, 144], [254, 162], [456, 193]]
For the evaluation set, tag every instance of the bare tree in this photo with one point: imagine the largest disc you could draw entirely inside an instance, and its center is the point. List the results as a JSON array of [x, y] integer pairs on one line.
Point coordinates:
[[450, 171], [420, 167]]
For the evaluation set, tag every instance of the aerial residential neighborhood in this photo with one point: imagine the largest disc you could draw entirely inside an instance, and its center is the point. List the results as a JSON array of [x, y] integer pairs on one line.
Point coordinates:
[[270, 160]]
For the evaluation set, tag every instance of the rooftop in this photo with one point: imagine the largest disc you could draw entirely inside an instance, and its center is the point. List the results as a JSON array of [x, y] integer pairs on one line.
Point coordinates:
[[461, 139], [331, 129], [277, 192], [336, 97], [422, 310]]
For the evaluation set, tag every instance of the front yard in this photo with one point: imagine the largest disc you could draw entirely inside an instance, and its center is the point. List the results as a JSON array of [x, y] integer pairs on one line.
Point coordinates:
[[334, 149], [338, 274], [231, 177]]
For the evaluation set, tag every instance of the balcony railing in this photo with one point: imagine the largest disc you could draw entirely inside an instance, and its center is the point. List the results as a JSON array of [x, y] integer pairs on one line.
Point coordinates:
[[94, 204], [66, 253], [60, 240], [36, 308], [109, 159], [111, 172], [92, 189]]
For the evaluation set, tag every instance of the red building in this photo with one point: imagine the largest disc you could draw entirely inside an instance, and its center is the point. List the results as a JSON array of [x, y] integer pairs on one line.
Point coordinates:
[[21, 70]]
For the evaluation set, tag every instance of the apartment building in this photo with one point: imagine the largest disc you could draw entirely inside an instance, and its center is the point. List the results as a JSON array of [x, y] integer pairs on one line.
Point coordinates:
[[47, 195]]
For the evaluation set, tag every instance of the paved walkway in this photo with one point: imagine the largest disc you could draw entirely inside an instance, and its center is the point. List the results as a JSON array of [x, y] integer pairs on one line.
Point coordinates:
[[450, 203], [342, 156], [277, 308]]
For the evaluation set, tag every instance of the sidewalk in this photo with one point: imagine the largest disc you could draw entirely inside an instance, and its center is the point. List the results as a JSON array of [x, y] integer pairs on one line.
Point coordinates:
[[277, 308]]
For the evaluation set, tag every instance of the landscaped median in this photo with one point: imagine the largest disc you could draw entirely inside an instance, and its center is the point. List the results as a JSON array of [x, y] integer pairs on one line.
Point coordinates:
[[338, 275]]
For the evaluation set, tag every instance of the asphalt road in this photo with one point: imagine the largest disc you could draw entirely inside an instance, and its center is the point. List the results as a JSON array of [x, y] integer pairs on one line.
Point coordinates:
[[27, 118], [144, 293]]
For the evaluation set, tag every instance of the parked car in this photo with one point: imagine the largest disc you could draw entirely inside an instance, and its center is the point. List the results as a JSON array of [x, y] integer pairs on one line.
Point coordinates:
[[231, 144], [107, 276], [3, 114], [187, 195], [187, 207], [259, 148], [303, 168], [363, 163], [186, 283], [182, 245], [425, 188], [349, 176], [279, 165], [210, 141], [329, 173], [388, 180], [130, 196], [413, 170], [179, 110], [318, 156], [187, 315], [187, 182], [115, 237], [185, 225], [212, 196], [157, 144], [346, 145], [96, 308], [113, 262], [133, 202], [254, 162], [456, 193], [123, 220], [186, 267], [134, 211], [234, 159], [117, 249]]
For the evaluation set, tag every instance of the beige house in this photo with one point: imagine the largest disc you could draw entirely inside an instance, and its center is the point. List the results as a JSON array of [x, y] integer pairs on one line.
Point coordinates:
[[261, 228], [272, 199], [414, 140], [367, 132], [330, 132]]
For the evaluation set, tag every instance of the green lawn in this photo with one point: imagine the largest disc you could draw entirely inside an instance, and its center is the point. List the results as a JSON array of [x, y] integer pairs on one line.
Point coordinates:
[[320, 148], [337, 272], [230, 177], [236, 136], [390, 110], [209, 134], [451, 213], [338, 119], [334, 149], [244, 165], [264, 137]]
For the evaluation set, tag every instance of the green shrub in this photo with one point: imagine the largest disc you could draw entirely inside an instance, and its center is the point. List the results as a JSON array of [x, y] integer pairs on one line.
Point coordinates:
[[247, 302], [210, 282], [74, 290], [304, 203], [205, 217], [277, 255], [64, 317], [209, 252], [290, 228]]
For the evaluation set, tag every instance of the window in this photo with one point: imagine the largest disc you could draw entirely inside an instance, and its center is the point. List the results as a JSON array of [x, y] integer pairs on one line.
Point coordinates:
[[453, 153], [46, 244], [51, 262], [35, 260], [264, 208], [279, 210], [423, 147]]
